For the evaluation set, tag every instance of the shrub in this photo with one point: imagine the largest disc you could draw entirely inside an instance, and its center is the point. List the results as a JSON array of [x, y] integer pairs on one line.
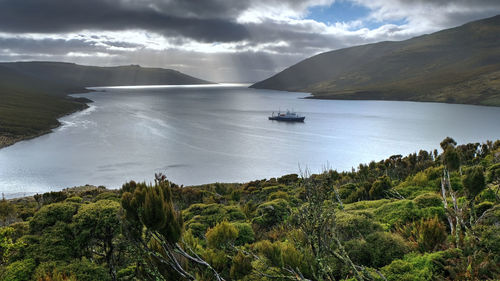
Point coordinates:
[[379, 187], [222, 235], [483, 207], [245, 234], [74, 199], [56, 243], [241, 266], [385, 247], [7, 212], [233, 213], [53, 197], [354, 225], [108, 196], [292, 257], [19, 270], [278, 195], [359, 252], [431, 234], [272, 251], [428, 200], [272, 213], [217, 259], [48, 215], [403, 211], [424, 267], [84, 270], [198, 229], [474, 181]]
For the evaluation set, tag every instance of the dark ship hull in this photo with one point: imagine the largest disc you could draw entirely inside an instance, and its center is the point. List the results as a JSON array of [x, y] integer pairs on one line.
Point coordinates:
[[287, 119]]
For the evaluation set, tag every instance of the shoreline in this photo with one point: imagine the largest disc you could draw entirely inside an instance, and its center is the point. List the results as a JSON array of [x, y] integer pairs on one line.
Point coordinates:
[[315, 96], [6, 141]]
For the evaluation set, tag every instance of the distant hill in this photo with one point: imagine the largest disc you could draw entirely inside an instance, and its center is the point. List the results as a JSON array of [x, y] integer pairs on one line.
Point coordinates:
[[71, 76], [457, 65], [33, 95]]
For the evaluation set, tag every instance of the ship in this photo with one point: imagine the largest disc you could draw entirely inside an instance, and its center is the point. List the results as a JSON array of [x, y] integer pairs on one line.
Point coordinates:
[[289, 116]]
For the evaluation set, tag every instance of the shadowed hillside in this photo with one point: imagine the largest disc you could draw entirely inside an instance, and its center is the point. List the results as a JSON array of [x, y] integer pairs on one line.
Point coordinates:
[[73, 75], [458, 65], [34, 94]]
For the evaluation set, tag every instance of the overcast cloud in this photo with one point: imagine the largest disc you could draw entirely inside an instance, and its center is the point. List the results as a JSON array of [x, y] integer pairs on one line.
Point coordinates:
[[218, 40]]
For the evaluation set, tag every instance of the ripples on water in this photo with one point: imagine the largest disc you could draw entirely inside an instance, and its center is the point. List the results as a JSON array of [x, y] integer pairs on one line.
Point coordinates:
[[200, 135]]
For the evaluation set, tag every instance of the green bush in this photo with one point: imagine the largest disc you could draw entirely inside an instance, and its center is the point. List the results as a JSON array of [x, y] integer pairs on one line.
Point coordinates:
[[380, 187], [245, 234], [74, 199], [217, 259], [354, 225], [108, 195], [272, 251], [403, 211], [428, 200], [277, 195], [483, 207], [431, 234], [241, 266], [385, 247], [272, 213], [57, 242], [48, 215], [473, 181], [85, 270], [19, 270], [198, 229], [424, 267], [211, 214], [359, 252], [222, 236]]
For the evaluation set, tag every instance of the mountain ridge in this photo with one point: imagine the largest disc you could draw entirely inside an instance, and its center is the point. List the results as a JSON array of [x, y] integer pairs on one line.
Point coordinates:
[[437, 67]]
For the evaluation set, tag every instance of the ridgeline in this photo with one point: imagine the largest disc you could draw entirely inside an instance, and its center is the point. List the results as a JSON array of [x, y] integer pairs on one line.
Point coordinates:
[[457, 65]]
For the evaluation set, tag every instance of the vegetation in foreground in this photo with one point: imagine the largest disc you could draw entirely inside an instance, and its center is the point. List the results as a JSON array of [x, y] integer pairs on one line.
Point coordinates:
[[426, 216]]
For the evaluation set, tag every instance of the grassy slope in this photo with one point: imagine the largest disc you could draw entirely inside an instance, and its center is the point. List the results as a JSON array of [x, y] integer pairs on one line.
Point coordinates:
[[34, 94], [458, 65], [30, 107]]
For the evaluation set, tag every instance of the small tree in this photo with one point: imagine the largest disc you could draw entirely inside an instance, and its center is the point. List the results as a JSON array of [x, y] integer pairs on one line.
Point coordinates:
[[96, 228], [448, 142], [155, 228], [380, 187], [7, 212], [474, 182]]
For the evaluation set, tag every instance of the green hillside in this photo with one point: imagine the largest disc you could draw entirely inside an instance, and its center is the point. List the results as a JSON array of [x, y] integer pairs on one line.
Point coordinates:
[[457, 65], [385, 221], [33, 95]]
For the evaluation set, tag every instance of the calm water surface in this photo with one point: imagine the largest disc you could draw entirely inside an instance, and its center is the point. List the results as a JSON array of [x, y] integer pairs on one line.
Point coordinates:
[[200, 135]]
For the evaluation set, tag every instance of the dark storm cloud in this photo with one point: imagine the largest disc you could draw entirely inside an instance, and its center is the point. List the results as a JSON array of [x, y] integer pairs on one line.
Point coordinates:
[[273, 36], [54, 16]]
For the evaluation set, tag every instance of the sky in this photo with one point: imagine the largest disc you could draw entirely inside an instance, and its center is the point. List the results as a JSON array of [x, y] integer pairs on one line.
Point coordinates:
[[216, 40]]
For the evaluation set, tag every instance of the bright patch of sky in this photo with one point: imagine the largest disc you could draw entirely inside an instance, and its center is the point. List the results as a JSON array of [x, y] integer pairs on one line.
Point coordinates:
[[348, 12], [339, 11]]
